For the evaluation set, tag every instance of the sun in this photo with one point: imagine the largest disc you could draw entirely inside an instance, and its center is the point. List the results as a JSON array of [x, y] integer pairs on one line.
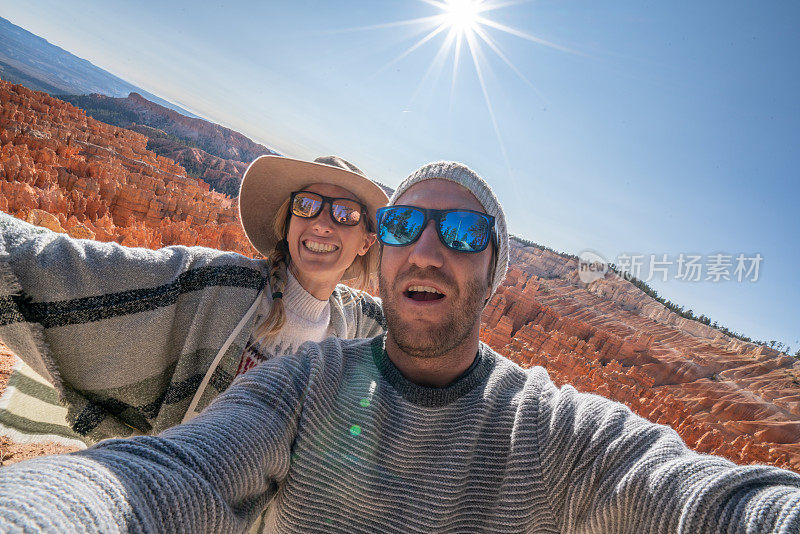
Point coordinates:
[[461, 15], [464, 28]]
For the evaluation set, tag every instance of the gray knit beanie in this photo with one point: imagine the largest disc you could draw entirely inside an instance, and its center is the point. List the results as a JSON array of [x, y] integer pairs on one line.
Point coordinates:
[[466, 177]]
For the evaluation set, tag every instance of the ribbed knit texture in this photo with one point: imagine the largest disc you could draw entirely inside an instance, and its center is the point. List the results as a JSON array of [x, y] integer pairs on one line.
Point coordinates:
[[466, 177], [329, 436]]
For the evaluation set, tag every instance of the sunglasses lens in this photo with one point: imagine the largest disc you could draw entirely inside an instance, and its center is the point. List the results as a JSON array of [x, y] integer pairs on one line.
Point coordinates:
[[346, 212], [464, 231], [306, 204], [399, 225]]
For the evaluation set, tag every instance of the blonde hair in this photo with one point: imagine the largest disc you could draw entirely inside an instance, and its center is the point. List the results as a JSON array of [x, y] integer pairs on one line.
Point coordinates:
[[359, 272]]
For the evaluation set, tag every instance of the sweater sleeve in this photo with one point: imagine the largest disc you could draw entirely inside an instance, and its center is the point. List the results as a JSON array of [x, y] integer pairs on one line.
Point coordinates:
[[213, 474], [119, 331], [609, 470]]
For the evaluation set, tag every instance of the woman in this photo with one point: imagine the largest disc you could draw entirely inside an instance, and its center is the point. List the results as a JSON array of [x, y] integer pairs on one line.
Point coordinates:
[[137, 340]]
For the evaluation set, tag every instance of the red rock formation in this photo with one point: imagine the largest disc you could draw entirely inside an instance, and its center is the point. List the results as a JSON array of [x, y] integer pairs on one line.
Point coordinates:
[[722, 395], [213, 138], [101, 182], [224, 175]]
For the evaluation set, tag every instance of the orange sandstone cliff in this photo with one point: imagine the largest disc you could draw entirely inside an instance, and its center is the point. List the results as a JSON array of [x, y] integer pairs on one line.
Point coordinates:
[[723, 396], [100, 181], [73, 174], [212, 138], [208, 151], [223, 175]]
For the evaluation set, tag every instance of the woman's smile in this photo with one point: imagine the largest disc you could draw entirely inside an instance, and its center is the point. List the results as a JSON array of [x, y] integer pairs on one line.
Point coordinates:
[[319, 247]]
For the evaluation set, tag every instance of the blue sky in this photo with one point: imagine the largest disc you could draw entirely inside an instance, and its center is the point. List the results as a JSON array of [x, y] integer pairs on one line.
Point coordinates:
[[650, 128]]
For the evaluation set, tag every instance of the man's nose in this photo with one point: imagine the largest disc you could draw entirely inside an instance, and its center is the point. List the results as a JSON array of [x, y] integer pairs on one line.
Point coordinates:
[[428, 250]]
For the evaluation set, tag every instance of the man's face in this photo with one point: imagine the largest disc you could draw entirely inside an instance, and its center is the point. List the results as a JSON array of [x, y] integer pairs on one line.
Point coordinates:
[[428, 327]]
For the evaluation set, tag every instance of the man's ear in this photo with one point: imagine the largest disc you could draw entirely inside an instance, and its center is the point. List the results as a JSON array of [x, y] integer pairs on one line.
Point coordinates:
[[369, 240]]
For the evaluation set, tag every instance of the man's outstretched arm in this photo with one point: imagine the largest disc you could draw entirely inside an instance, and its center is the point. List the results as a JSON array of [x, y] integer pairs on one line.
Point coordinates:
[[213, 474], [613, 471]]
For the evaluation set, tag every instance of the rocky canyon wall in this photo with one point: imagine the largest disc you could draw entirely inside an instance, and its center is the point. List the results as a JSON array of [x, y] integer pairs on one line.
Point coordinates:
[[135, 109], [722, 395], [71, 173]]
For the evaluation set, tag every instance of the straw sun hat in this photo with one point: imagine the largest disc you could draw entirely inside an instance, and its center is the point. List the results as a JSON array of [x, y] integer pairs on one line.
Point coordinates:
[[269, 181]]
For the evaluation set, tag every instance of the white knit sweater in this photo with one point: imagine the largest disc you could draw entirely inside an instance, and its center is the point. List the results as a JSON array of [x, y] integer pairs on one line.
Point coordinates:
[[307, 319]]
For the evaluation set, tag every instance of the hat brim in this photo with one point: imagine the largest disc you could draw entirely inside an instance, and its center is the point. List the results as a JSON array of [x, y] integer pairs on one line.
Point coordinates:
[[269, 181]]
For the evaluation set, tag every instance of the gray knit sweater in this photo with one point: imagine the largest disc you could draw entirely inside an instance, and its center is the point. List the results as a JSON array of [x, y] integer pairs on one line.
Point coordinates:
[[334, 439]]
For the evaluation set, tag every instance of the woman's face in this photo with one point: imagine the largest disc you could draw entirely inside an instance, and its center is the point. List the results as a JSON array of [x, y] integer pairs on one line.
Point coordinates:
[[321, 249]]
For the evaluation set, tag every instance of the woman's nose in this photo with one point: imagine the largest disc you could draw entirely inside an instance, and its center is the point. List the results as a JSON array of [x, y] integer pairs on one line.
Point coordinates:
[[323, 222]]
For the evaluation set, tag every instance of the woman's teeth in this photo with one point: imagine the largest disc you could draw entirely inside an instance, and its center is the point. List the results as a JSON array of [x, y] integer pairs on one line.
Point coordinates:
[[319, 247]]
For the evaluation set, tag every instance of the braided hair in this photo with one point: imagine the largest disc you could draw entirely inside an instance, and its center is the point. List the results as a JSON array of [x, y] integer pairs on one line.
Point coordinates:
[[279, 265]]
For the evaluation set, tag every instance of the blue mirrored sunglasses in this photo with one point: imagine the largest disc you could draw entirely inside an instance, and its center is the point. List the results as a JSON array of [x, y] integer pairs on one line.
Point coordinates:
[[460, 230]]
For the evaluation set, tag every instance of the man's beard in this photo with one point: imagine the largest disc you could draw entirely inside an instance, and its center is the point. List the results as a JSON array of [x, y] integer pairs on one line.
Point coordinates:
[[433, 340]]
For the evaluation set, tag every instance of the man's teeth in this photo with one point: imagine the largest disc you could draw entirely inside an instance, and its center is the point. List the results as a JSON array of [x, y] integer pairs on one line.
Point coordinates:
[[320, 247], [427, 289]]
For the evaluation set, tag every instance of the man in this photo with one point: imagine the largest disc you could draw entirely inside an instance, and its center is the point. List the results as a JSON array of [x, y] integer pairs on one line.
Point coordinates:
[[425, 430]]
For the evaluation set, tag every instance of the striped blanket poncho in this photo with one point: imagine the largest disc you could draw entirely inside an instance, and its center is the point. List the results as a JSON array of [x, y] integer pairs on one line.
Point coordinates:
[[127, 335]]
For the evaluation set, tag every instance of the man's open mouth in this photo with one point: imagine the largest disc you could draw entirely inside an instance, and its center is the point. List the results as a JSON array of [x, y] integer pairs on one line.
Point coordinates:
[[423, 293]]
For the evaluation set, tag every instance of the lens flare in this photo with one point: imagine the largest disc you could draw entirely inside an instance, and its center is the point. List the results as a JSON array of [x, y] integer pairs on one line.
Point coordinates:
[[461, 15], [464, 29]]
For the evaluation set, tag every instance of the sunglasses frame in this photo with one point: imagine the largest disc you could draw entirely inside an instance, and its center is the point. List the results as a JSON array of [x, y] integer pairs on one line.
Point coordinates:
[[329, 201], [436, 216]]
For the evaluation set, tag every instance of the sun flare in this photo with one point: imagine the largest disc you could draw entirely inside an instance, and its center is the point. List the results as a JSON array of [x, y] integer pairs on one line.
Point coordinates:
[[464, 28], [461, 15]]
